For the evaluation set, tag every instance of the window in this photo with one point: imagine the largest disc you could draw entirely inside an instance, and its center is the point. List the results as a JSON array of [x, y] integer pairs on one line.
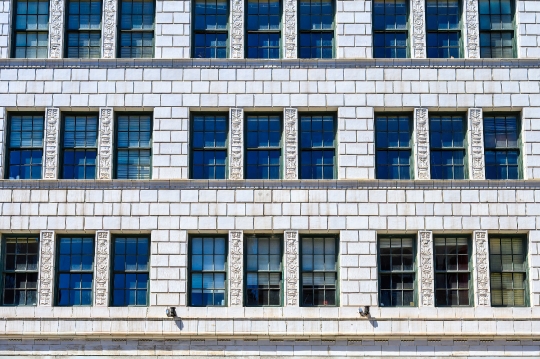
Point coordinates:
[[210, 19], [263, 271], [208, 271], [452, 272], [496, 28], [501, 146], [396, 272], [79, 147], [84, 29], [31, 32], [393, 146], [443, 28], [209, 146], [134, 147], [390, 28], [263, 147], [263, 29], [447, 137], [317, 146], [316, 29], [25, 152], [507, 261], [130, 271], [20, 270], [319, 271], [75, 271], [137, 28]]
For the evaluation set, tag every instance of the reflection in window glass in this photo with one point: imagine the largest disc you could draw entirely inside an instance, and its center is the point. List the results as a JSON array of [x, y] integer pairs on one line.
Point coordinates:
[[209, 146], [396, 272], [507, 262], [317, 146], [137, 28], [75, 271], [208, 271], [263, 147], [131, 268], [210, 23], [134, 147], [393, 147], [31, 30], [263, 270], [319, 271], [79, 147], [443, 28], [501, 147], [263, 29], [447, 141], [496, 28], [83, 29], [25, 152], [316, 29], [390, 28], [20, 270], [452, 272]]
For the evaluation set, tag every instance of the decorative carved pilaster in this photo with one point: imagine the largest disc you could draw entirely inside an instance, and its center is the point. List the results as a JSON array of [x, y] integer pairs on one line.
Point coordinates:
[[56, 29], [291, 143], [421, 127], [102, 269], [476, 143], [46, 268], [105, 143], [427, 285], [108, 32], [237, 29], [236, 150], [481, 269], [236, 268], [473, 36], [292, 269], [419, 29], [289, 28], [51, 135]]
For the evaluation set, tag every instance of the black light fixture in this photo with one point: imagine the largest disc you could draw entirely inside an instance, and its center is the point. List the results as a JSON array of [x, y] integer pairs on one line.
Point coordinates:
[[364, 312], [171, 312]]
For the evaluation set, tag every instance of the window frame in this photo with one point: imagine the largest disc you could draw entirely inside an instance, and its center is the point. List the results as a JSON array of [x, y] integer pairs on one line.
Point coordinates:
[[280, 237], [407, 32], [335, 143], [190, 270], [57, 270], [116, 149], [465, 147], [258, 149], [13, 35], [414, 271], [67, 31], [203, 149], [459, 31], [226, 31], [8, 148], [519, 148], [411, 143], [3, 271], [332, 31], [526, 270], [337, 270], [257, 32], [131, 31], [514, 32], [469, 270], [112, 271]]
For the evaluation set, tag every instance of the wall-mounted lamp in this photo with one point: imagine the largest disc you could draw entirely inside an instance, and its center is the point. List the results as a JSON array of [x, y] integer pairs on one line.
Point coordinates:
[[364, 312], [171, 312]]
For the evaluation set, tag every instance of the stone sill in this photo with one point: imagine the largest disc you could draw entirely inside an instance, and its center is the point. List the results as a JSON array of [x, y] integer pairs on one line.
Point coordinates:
[[277, 64]]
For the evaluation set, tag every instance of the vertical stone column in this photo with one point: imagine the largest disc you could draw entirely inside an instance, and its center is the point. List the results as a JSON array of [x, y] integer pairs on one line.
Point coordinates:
[[290, 38], [105, 143], [237, 29], [56, 29], [291, 143], [292, 275], [426, 272], [476, 144], [51, 143], [236, 147], [102, 268], [108, 29], [236, 268], [471, 26], [46, 268], [421, 144], [481, 269], [418, 15]]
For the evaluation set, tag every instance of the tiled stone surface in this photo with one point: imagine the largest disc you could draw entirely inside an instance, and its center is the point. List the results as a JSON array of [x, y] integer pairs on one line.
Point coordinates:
[[528, 19]]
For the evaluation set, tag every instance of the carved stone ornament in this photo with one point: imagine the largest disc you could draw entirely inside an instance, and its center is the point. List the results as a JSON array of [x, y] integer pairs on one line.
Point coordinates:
[[46, 268], [105, 143], [236, 269], [102, 268], [289, 28], [472, 25], [421, 123], [56, 28], [481, 268], [426, 269], [419, 29], [292, 268], [237, 29], [476, 141], [236, 157], [50, 160], [109, 29], [291, 143]]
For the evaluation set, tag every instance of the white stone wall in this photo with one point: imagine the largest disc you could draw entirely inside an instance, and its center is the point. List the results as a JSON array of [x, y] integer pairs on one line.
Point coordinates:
[[528, 22], [353, 29], [5, 32], [172, 29]]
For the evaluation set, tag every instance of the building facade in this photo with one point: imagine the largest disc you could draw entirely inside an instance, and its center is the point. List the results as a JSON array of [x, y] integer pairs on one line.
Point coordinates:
[[273, 170]]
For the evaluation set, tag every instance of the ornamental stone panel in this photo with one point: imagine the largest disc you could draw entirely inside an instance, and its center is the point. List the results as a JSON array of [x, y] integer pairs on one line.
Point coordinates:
[[472, 38], [480, 250], [236, 147], [426, 270], [102, 268], [105, 143], [51, 143], [421, 144], [290, 15], [237, 29], [108, 31], [418, 29], [236, 268], [476, 144], [291, 143], [292, 268], [56, 29], [46, 269]]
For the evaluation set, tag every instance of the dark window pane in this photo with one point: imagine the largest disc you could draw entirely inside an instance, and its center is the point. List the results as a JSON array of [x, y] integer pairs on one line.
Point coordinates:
[[502, 150], [25, 147], [452, 274], [497, 28], [318, 271], [130, 274], [20, 271], [209, 146], [83, 29], [390, 29], [393, 151], [317, 144], [264, 271], [134, 134], [263, 147]]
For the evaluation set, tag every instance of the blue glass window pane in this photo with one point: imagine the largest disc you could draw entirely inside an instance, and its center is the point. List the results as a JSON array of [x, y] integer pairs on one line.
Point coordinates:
[[134, 134], [75, 266], [497, 28], [209, 147], [25, 146], [208, 271], [263, 147], [130, 263], [501, 144], [317, 141]]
